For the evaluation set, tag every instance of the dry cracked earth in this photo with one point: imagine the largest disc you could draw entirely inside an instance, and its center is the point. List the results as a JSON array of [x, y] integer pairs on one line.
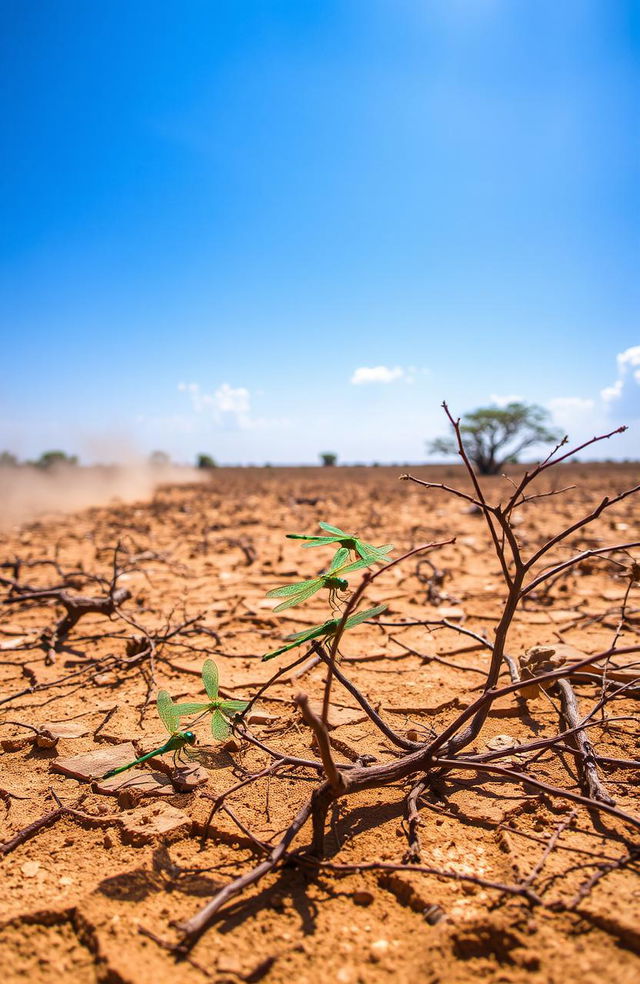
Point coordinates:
[[107, 864]]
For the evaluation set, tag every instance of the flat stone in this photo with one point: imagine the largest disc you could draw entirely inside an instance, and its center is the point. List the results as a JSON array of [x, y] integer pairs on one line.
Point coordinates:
[[67, 729], [189, 777], [138, 782], [94, 764], [339, 716], [153, 821]]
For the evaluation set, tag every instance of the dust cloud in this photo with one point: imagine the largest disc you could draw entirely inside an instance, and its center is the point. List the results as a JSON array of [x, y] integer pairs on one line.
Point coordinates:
[[27, 493]]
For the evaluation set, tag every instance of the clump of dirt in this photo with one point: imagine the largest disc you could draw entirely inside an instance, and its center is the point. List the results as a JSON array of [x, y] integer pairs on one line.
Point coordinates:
[[105, 869]]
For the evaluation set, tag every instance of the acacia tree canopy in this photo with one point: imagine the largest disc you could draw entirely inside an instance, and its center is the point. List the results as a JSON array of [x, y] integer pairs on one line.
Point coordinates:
[[495, 436]]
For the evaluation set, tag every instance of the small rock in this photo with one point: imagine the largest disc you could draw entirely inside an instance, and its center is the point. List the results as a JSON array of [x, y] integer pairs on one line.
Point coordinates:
[[30, 869], [65, 881], [378, 949], [107, 840], [362, 897], [229, 964], [158, 820], [501, 741]]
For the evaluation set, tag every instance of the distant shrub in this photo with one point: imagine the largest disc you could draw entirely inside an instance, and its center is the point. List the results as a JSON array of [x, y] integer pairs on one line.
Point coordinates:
[[49, 459], [8, 460], [206, 461], [159, 459], [328, 458]]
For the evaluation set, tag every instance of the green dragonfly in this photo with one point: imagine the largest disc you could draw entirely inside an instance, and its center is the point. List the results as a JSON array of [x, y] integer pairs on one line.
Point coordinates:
[[333, 579], [168, 713], [220, 708], [327, 628], [372, 555]]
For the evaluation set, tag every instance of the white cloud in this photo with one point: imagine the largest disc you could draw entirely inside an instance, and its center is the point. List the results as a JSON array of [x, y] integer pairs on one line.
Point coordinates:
[[228, 407], [570, 412], [629, 359], [503, 401], [376, 374], [386, 374]]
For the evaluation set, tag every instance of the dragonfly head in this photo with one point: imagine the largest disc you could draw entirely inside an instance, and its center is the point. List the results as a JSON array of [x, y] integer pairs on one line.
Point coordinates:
[[190, 736]]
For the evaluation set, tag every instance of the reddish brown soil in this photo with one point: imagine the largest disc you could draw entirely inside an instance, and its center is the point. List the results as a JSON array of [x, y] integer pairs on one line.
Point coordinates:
[[74, 896]]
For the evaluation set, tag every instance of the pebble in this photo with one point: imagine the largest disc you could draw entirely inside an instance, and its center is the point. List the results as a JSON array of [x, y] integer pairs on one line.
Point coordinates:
[[30, 869], [379, 949], [362, 897]]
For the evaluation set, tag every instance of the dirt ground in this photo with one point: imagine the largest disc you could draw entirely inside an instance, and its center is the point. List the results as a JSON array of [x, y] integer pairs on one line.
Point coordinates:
[[77, 896]]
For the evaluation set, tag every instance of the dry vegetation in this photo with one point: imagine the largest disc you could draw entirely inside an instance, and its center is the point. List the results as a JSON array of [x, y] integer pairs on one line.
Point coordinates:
[[437, 851]]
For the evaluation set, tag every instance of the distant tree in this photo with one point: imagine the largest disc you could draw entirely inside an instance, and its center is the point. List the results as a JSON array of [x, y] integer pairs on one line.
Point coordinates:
[[8, 460], [159, 459], [495, 436], [206, 461], [328, 458], [50, 459]]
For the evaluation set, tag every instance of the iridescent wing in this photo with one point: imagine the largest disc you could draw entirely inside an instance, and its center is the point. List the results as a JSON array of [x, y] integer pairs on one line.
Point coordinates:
[[210, 678], [339, 560], [373, 555], [335, 531], [355, 565], [363, 616], [193, 707], [315, 630], [307, 589], [219, 726], [288, 589], [231, 707], [168, 712]]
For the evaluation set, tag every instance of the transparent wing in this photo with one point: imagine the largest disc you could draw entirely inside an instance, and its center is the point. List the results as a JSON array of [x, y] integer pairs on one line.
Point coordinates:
[[288, 589], [210, 678], [314, 631], [193, 707], [363, 616], [306, 592], [356, 565], [219, 726], [371, 554], [168, 712], [334, 530], [339, 559], [231, 707], [321, 541]]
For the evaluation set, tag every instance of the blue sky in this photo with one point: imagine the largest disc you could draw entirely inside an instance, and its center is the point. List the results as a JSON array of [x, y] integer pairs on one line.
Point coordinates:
[[215, 214]]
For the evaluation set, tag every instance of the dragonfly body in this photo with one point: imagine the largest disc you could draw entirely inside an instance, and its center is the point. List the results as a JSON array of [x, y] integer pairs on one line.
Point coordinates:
[[337, 537], [333, 579], [327, 629], [175, 743], [177, 740]]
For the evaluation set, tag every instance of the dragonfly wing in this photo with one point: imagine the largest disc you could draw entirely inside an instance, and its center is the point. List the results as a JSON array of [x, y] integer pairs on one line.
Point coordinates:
[[314, 631], [219, 726], [339, 559], [210, 678], [310, 588], [168, 712], [321, 541], [231, 707], [356, 565], [334, 530], [286, 590], [363, 616], [191, 707]]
